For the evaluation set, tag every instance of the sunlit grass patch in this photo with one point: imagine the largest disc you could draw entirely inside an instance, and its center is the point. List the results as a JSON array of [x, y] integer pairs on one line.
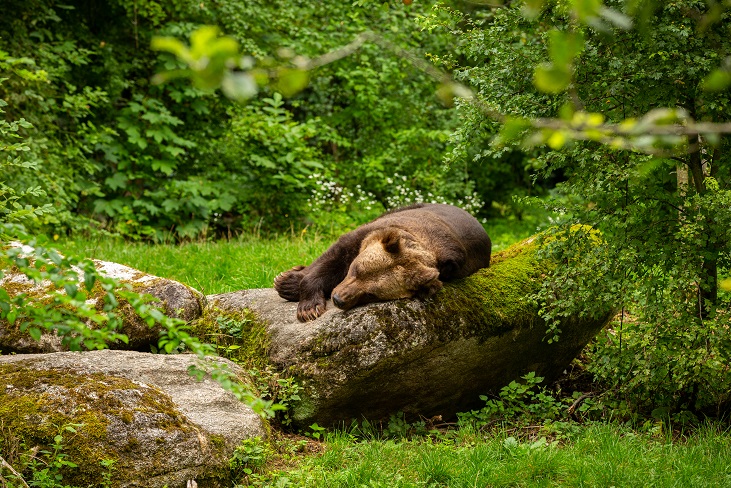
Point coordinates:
[[600, 455], [211, 267]]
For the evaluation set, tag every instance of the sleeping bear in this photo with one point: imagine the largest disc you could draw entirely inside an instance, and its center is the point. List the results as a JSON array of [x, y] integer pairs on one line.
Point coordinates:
[[403, 253]]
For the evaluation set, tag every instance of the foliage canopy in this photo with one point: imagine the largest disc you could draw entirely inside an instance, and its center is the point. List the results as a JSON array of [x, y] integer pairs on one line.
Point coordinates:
[[664, 217]]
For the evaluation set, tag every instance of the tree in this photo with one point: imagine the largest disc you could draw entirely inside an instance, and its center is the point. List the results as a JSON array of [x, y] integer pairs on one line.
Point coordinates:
[[623, 111], [152, 161]]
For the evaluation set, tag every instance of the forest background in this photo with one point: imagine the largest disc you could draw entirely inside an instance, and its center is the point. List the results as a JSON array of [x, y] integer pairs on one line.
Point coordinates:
[[592, 109]]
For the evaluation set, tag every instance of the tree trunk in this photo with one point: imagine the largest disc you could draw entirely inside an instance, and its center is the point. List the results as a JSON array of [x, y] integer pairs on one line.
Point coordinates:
[[708, 286]]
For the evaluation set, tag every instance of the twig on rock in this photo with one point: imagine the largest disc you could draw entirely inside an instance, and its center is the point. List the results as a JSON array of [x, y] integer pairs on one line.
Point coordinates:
[[7, 465]]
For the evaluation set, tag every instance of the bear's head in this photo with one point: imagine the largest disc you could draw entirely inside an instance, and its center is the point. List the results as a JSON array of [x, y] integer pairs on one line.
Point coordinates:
[[391, 264]]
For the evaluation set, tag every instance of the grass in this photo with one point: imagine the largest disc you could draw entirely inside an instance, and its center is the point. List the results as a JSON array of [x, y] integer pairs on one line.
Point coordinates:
[[598, 455], [211, 267], [243, 262]]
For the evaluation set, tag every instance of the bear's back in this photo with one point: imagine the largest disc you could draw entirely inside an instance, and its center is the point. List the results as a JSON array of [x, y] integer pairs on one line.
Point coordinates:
[[426, 218]]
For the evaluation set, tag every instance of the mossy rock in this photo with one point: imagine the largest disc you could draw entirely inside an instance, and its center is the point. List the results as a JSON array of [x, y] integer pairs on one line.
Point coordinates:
[[176, 299], [159, 425], [427, 357]]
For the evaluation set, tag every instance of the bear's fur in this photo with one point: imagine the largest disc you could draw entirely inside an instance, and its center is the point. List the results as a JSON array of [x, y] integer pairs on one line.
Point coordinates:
[[403, 253]]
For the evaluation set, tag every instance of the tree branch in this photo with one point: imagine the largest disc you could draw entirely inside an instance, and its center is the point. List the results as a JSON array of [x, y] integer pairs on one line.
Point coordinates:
[[620, 135]]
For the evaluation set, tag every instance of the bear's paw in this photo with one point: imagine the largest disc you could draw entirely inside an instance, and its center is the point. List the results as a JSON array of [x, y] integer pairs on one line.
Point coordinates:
[[287, 284], [311, 308]]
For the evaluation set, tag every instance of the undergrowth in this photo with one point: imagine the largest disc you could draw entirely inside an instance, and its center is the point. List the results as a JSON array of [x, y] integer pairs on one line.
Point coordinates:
[[526, 435]]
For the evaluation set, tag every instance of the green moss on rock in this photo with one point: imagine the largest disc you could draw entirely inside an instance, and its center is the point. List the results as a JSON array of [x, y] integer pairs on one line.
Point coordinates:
[[36, 405], [238, 335], [494, 298]]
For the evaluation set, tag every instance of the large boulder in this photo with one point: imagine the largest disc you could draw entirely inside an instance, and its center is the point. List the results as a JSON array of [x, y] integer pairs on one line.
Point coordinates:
[[428, 357], [176, 299], [159, 425]]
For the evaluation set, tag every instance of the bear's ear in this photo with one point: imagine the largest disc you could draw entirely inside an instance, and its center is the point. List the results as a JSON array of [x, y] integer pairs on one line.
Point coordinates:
[[391, 241]]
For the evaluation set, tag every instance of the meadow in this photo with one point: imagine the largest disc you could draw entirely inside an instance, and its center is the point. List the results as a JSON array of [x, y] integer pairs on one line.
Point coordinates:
[[592, 455]]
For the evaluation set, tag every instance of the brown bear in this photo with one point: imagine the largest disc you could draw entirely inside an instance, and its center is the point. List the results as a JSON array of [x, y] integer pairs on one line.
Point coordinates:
[[403, 253]]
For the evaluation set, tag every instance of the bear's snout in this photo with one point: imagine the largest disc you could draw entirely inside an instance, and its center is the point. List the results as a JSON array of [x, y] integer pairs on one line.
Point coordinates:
[[346, 301], [337, 301], [348, 295]]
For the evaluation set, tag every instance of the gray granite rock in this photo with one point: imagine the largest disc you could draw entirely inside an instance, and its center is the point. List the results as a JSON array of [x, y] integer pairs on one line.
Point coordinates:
[[144, 411]]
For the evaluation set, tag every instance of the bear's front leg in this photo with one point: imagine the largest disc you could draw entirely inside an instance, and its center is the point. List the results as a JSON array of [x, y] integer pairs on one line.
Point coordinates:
[[312, 286], [287, 284], [310, 308], [315, 289]]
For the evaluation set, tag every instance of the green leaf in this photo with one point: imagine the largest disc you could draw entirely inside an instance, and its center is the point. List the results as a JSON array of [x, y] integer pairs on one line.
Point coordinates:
[[165, 167], [646, 168], [117, 181], [718, 80], [556, 139], [513, 129], [550, 78], [165, 76], [223, 47], [567, 111], [532, 8], [35, 333], [291, 81], [89, 280], [564, 46], [171, 45], [586, 10], [55, 257], [199, 40], [111, 300], [157, 315], [71, 290]]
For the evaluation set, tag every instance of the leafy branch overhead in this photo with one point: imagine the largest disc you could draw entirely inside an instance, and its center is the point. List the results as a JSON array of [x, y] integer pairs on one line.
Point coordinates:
[[212, 61]]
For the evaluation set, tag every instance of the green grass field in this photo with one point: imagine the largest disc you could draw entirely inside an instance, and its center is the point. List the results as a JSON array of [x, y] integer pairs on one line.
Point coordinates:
[[211, 267], [245, 261], [591, 455], [597, 455]]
